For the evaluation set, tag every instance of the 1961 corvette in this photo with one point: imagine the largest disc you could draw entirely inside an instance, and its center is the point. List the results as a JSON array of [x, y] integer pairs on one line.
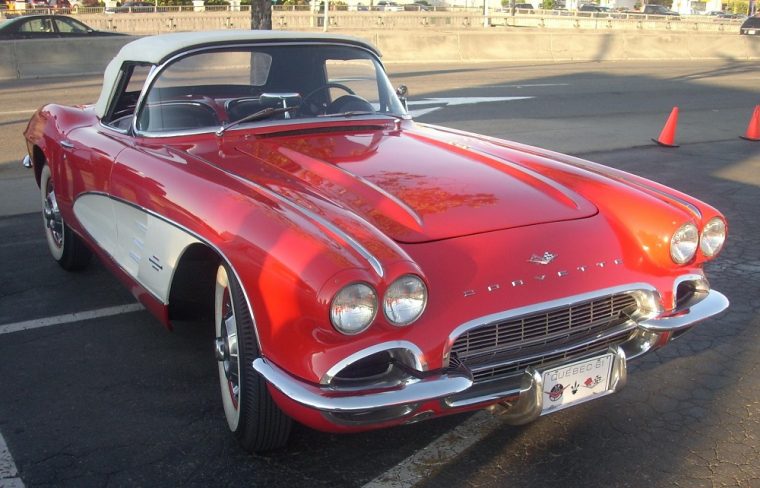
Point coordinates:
[[361, 270]]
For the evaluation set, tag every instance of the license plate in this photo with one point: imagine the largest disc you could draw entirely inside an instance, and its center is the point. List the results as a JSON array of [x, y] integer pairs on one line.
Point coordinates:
[[751, 32], [577, 382]]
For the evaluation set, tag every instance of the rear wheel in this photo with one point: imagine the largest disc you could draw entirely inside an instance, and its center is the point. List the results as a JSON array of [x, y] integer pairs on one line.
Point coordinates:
[[250, 411], [65, 246]]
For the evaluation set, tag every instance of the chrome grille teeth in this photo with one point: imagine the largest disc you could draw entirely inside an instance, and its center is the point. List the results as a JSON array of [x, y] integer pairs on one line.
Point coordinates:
[[490, 350]]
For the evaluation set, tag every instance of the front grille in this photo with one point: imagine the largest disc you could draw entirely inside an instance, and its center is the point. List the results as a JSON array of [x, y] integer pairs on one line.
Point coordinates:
[[506, 348]]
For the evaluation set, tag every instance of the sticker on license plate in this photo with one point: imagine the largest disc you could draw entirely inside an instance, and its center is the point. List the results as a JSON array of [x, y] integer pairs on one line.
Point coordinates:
[[576, 382]]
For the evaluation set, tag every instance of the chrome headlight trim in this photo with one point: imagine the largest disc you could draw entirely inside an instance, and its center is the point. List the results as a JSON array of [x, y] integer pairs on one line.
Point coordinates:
[[405, 300], [353, 308], [684, 243], [713, 236]]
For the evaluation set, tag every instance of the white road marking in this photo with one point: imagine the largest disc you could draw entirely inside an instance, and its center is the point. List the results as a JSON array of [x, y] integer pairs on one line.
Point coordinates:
[[71, 317], [529, 86], [420, 465], [18, 112], [8, 472], [445, 102]]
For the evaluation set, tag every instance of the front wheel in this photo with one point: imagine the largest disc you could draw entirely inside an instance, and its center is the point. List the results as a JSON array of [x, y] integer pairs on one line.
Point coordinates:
[[251, 413], [65, 246]]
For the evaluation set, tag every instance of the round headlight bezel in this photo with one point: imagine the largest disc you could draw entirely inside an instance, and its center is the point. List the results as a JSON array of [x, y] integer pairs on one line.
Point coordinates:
[[684, 243], [712, 250], [391, 313], [343, 297]]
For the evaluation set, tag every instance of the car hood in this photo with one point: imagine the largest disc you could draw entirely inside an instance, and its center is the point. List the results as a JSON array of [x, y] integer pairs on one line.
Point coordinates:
[[409, 186]]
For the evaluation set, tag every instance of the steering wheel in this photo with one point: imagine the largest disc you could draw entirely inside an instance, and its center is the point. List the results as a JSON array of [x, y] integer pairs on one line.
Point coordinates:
[[310, 108]]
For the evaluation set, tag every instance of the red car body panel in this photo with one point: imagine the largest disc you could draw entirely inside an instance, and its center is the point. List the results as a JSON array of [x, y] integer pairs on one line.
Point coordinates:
[[293, 208]]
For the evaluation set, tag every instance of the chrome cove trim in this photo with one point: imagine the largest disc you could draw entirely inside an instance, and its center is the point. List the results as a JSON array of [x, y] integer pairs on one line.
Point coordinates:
[[199, 238], [160, 68], [26, 162], [415, 352], [646, 295], [330, 400], [146, 247]]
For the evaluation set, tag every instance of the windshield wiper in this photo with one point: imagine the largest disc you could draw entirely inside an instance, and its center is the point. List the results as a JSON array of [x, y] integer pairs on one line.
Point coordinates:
[[261, 114]]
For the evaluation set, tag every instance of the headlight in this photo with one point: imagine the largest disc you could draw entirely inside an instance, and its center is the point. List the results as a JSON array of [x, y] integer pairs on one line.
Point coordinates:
[[405, 300], [684, 243], [353, 308], [713, 237]]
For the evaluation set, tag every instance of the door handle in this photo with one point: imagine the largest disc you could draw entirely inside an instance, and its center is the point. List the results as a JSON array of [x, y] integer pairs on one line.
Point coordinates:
[[66, 144]]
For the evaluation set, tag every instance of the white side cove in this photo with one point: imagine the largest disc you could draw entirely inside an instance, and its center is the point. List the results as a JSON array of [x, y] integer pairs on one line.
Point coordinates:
[[145, 246]]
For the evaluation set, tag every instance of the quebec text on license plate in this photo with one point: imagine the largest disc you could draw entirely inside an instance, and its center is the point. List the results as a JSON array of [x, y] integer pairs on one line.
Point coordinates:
[[576, 382]]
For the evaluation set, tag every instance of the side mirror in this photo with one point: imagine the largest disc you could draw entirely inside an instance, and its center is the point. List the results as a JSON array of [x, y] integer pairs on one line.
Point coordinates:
[[401, 93]]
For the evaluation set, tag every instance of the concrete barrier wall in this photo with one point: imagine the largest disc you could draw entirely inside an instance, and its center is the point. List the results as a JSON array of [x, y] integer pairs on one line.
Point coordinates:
[[46, 58]]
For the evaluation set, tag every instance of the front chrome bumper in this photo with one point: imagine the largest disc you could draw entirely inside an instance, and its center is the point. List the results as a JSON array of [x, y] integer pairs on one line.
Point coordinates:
[[524, 404]]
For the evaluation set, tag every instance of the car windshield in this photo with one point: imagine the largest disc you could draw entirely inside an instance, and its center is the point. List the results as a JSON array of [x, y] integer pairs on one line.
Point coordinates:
[[752, 22], [236, 86]]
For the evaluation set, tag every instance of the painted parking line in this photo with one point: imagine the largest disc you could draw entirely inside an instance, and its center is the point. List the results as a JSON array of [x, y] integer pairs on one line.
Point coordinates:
[[69, 318], [18, 112], [8, 472], [420, 465]]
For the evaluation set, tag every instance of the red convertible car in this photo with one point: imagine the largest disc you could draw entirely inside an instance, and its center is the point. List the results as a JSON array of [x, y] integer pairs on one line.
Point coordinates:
[[361, 270]]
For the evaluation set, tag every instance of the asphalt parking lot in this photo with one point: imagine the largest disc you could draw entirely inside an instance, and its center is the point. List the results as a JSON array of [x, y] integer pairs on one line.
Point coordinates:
[[116, 400]]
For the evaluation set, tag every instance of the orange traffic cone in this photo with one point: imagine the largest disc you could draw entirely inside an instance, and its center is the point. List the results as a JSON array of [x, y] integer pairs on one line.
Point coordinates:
[[753, 129], [668, 134]]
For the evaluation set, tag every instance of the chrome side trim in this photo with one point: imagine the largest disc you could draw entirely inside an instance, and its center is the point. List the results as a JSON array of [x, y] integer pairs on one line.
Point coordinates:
[[146, 247], [26, 162], [416, 353], [328, 399], [713, 304], [646, 295], [66, 144], [202, 240]]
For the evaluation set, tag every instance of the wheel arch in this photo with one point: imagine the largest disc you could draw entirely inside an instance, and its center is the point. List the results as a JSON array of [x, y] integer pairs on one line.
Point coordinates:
[[191, 293], [38, 161]]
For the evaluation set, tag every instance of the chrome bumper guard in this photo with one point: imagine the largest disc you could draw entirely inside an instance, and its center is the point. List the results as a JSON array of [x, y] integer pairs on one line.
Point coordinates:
[[26, 162], [524, 405], [331, 400], [712, 304]]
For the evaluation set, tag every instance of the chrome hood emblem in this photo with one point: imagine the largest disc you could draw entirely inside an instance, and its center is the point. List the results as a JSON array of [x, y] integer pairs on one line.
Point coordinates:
[[547, 258]]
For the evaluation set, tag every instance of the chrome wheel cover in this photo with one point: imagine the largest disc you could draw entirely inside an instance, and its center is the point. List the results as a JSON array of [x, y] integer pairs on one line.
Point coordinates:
[[226, 348], [51, 215]]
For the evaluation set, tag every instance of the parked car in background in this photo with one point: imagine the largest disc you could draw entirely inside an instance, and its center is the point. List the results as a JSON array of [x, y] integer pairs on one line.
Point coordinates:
[[361, 270], [659, 10], [417, 7], [525, 8], [133, 8], [388, 6], [59, 4], [751, 26], [47, 27], [590, 7]]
